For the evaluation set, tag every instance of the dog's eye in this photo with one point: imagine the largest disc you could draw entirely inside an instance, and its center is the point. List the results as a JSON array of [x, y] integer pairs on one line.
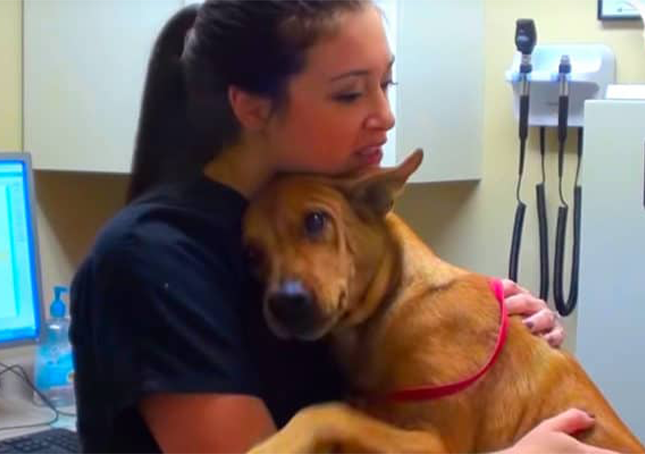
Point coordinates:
[[315, 223]]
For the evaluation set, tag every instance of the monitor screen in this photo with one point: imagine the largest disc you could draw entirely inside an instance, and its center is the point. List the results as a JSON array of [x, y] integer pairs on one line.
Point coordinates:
[[20, 313]]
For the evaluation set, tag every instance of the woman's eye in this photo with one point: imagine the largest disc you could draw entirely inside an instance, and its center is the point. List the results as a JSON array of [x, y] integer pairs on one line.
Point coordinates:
[[315, 223], [347, 98], [387, 84]]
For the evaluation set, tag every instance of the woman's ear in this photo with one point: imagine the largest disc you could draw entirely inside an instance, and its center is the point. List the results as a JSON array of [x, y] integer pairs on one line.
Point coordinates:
[[252, 111]]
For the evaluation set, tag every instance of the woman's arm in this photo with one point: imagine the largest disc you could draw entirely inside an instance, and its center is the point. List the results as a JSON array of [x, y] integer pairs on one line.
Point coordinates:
[[213, 423]]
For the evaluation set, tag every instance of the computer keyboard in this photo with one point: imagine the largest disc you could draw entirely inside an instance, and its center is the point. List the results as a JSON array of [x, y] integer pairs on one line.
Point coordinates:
[[55, 441]]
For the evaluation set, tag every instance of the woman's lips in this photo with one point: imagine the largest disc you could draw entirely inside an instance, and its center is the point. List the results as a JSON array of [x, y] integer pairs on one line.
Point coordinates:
[[371, 156]]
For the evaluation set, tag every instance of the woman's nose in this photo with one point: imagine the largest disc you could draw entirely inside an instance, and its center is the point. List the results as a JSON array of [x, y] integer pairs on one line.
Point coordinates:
[[381, 116]]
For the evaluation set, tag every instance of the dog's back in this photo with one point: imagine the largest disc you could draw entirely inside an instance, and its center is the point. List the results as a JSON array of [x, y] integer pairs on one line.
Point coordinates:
[[449, 333]]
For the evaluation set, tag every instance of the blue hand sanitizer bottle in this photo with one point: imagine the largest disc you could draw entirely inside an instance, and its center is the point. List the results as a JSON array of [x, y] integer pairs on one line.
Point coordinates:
[[54, 368]]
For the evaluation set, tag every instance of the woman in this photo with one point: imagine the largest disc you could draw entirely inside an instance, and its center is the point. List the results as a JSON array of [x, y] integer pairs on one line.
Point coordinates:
[[170, 353]]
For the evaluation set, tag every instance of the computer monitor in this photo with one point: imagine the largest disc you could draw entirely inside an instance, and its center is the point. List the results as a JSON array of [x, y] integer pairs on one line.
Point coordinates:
[[20, 281]]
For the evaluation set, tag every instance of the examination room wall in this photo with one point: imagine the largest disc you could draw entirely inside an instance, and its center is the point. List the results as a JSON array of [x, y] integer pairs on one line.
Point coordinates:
[[467, 223], [10, 74], [471, 223]]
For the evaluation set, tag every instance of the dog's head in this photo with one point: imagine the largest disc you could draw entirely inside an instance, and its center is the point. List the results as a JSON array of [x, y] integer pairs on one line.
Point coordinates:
[[315, 244]]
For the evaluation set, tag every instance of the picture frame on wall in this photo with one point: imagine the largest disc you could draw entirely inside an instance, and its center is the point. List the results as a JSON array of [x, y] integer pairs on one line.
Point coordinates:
[[617, 10]]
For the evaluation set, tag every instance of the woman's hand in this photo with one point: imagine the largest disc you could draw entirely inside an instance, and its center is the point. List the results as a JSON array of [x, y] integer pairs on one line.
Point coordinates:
[[554, 435], [538, 317]]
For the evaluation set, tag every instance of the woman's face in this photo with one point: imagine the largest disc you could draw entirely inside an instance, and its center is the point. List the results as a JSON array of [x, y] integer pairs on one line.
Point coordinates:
[[337, 111]]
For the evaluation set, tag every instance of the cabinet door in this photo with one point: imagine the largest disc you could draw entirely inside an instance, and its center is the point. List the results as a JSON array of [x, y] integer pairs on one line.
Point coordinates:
[[440, 70], [84, 66], [611, 302]]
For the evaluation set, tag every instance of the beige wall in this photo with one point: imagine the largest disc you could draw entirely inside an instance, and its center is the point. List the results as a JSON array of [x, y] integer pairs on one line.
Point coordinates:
[[71, 206], [467, 223], [10, 74], [471, 224]]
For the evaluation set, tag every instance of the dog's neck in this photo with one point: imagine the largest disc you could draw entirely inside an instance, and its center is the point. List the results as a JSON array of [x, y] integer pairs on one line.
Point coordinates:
[[368, 352]]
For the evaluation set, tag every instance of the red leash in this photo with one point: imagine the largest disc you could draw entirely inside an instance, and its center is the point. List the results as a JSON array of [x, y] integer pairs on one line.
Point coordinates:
[[428, 393]]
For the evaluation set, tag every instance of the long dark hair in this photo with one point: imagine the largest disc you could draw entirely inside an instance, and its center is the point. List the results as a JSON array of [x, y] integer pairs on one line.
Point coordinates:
[[256, 45]]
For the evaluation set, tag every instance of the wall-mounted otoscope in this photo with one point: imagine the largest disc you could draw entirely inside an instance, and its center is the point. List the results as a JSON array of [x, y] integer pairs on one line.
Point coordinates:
[[566, 307], [566, 75], [525, 40]]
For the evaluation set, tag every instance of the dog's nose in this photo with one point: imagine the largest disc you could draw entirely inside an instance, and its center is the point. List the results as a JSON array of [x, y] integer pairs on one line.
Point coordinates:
[[292, 305]]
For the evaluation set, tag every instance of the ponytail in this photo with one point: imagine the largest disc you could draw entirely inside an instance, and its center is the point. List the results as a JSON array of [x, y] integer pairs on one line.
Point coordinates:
[[163, 130]]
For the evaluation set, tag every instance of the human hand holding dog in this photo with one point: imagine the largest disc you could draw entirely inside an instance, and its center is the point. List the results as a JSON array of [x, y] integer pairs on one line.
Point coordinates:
[[554, 435], [538, 317]]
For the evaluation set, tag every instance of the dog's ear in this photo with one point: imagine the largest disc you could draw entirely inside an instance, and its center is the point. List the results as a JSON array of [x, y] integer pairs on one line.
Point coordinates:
[[374, 192]]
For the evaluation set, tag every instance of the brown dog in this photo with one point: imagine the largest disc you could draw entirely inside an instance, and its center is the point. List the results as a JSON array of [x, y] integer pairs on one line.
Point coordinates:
[[336, 262]]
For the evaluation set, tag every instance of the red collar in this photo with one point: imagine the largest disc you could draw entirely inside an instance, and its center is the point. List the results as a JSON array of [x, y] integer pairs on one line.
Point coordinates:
[[429, 393]]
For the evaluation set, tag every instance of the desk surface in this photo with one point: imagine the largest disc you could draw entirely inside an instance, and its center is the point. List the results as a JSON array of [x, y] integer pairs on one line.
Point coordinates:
[[20, 411], [16, 404]]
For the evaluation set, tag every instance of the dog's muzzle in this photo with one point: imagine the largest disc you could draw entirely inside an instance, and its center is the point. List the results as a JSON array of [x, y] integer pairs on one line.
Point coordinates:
[[294, 307]]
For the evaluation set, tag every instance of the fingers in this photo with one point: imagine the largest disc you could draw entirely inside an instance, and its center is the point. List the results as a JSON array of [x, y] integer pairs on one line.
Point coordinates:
[[583, 448], [555, 435], [543, 320], [556, 336], [539, 319], [524, 304], [569, 422], [512, 288], [588, 449]]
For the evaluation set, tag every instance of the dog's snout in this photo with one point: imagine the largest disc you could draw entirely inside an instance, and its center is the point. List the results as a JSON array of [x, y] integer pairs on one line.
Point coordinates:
[[292, 304]]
